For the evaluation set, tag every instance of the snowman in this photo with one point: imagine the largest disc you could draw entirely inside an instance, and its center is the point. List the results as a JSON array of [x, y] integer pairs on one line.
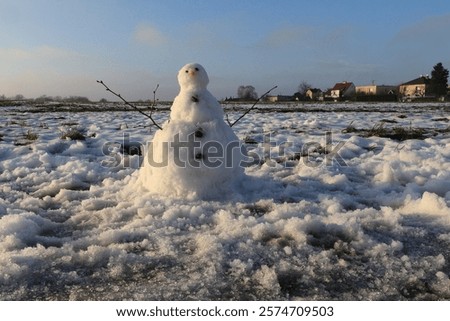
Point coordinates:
[[195, 154]]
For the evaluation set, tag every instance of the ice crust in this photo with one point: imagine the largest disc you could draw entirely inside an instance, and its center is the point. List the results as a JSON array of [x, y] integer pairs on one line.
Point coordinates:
[[73, 227]]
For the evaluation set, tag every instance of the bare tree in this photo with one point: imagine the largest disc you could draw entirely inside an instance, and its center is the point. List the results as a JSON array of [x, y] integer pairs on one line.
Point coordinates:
[[303, 87]]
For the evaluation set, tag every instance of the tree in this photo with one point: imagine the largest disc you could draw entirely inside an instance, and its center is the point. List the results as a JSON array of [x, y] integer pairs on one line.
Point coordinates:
[[77, 99], [43, 99], [301, 91], [439, 80], [247, 93], [303, 88]]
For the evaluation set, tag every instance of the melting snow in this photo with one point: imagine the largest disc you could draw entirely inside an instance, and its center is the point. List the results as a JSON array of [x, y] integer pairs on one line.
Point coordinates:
[[371, 223]]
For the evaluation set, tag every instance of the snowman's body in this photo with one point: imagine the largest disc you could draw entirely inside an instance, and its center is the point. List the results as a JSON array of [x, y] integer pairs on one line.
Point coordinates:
[[196, 154]]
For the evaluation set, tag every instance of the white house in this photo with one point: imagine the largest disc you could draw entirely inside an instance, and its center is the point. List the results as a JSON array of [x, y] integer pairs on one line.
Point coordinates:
[[314, 94], [343, 90], [415, 88]]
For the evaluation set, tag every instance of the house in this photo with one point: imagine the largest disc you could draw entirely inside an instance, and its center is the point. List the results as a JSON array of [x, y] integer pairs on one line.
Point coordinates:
[[343, 90], [376, 90], [376, 93], [314, 94], [327, 94], [415, 88], [278, 98]]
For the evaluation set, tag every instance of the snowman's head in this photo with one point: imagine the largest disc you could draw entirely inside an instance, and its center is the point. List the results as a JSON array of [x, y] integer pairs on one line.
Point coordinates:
[[193, 76]]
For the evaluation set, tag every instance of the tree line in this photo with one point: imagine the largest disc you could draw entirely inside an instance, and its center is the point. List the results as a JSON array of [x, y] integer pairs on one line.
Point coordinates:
[[47, 99]]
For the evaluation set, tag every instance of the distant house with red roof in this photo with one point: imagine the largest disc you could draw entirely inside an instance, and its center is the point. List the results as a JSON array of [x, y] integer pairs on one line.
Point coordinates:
[[343, 90]]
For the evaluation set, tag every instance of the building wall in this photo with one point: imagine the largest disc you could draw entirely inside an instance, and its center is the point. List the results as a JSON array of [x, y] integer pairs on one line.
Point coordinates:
[[350, 91], [345, 93], [274, 99], [375, 90], [313, 95], [335, 94], [366, 90], [413, 90]]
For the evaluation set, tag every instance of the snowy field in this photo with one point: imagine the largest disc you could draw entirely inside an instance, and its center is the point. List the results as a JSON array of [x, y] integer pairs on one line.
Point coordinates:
[[347, 215]]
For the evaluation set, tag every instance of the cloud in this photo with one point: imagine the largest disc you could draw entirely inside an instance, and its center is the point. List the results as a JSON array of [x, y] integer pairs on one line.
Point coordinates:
[[202, 36], [11, 54], [340, 64], [431, 30], [309, 39], [45, 70], [286, 36], [43, 51], [414, 49], [20, 58], [44, 60], [149, 35], [49, 52]]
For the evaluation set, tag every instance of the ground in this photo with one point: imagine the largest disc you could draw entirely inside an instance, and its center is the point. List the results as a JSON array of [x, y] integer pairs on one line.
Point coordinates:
[[341, 202]]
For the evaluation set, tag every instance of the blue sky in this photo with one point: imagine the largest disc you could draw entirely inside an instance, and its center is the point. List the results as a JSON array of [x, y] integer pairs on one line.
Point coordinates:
[[61, 47]]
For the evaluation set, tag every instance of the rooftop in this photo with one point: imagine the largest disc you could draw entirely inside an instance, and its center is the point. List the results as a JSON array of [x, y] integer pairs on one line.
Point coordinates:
[[422, 80], [342, 86]]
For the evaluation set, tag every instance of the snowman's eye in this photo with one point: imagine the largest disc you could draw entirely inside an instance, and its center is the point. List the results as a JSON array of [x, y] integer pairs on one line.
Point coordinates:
[[196, 69]]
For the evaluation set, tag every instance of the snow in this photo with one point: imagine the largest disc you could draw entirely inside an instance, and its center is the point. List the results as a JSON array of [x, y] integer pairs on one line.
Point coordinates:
[[195, 154], [370, 220]]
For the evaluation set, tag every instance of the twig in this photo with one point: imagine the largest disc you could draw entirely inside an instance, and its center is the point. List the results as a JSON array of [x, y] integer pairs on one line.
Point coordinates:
[[133, 106], [152, 107], [251, 108], [228, 120]]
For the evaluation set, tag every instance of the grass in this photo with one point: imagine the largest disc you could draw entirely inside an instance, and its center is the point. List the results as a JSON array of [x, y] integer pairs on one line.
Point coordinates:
[[396, 133], [250, 140], [378, 130], [71, 123], [73, 134], [30, 135], [444, 131], [401, 133], [390, 121], [445, 119], [350, 128], [21, 123], [26, 139]]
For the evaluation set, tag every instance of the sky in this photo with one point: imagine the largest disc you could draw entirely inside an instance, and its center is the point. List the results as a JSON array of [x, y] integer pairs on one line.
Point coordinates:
[[60, 48]]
